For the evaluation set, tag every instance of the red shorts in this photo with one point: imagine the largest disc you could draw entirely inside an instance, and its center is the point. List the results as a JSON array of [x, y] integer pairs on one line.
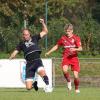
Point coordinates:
[[73, 62]]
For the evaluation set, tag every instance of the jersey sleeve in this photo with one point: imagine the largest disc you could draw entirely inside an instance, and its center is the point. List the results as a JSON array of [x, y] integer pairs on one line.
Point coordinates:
[[19, 47], [78, 42], [37, 36], [59, 42]]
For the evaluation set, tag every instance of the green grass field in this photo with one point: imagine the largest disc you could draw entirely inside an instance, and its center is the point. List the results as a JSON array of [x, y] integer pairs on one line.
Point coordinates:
[[57, 94]]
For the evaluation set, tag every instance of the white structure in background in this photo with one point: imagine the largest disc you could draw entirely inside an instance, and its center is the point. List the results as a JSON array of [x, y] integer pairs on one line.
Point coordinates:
[[12, 73]]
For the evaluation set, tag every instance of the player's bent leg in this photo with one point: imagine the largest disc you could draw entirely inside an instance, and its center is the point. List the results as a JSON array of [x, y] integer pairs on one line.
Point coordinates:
[[41, 72], [67, 77], [29, 83], [76, 82]]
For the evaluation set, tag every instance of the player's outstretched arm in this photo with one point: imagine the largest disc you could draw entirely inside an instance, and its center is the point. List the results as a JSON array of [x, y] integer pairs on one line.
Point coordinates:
[[51, 50], [13, 54], [79, 48], [76, 49], [44, 28]]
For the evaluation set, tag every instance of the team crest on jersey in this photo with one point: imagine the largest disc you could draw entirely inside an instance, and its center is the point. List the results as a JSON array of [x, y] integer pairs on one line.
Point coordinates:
[[29, 43], [72, 40], [65, 41]]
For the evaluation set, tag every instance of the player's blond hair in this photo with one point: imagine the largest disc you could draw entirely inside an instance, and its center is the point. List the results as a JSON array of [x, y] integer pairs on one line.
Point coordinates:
[[68, 26]]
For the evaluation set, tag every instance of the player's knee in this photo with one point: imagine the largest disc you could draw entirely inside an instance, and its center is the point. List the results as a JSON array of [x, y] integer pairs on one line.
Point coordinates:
[[41, 71], [28, 87], [76, 74], [65, 69]]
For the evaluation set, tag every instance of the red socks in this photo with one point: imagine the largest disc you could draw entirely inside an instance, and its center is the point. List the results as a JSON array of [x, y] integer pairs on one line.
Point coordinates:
[[76, 80], [67, 76], [76, 83]]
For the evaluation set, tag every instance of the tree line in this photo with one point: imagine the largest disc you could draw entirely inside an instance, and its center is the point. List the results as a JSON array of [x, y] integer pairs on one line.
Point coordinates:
[[83, 14]]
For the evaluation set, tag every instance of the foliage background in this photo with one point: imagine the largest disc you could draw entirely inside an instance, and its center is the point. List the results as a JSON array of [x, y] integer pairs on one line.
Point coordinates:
[[83, 14]]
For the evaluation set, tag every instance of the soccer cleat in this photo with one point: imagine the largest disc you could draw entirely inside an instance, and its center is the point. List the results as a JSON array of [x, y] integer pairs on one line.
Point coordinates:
[[77, 91], [35, 86], [47, 89], [69, 85]]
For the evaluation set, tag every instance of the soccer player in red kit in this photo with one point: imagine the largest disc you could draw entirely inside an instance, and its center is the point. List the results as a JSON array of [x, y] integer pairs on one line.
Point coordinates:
[[71, 44]]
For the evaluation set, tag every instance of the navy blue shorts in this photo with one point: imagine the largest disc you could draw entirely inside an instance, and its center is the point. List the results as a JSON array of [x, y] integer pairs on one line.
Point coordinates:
[[31, 68]]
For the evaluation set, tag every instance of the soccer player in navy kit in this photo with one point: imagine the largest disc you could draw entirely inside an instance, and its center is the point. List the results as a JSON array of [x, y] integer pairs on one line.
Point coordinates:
[[29, 45]]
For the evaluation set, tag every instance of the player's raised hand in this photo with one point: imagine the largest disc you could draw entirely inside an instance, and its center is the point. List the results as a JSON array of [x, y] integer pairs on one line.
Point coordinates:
[[41, 20]]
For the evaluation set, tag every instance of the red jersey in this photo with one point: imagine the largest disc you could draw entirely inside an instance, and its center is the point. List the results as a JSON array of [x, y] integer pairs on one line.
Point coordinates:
[[68, 43]]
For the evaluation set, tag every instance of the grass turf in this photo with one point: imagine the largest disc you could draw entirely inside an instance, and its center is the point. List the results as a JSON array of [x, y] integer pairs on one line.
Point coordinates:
[[57, 94]]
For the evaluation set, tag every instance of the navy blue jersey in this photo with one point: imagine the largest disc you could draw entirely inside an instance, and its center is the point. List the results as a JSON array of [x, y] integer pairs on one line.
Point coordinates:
[[29, 47]]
